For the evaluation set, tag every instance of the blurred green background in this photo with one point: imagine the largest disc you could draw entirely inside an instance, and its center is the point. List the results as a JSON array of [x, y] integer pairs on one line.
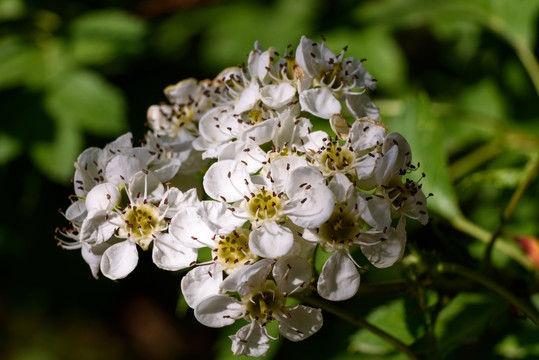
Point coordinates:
[[459, 78]]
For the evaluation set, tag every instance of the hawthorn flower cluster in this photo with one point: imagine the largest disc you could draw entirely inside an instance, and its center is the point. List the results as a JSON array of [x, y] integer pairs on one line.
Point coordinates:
[[274, 190]]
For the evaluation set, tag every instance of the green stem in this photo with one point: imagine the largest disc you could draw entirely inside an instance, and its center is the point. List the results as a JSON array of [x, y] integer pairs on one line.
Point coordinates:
[[507, 247], [450, 268], [475, 158], [525, 54], [529, 173], [338, 311]]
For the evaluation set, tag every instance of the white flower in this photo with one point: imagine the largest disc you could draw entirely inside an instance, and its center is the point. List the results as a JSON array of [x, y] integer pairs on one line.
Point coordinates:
[[260, 301], [406, 198], [135, 213], [342, 234], [347, 162], [286, 193], [334, 78]]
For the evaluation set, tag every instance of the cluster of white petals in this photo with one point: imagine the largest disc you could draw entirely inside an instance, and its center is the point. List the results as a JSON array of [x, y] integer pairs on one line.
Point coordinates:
[[275, 190]]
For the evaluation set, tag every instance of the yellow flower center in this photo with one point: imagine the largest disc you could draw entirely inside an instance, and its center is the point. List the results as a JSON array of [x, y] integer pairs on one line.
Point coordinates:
[[340, 230], [335, 159], [233, 251], [265, 206], [262, 305], [141, 222]]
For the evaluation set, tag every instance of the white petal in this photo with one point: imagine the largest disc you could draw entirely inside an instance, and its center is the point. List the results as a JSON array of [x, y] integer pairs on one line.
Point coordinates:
[[123, 142], [319, 102], [376, 211], [341, 187], [146, 186], [300, 322], [360, 106], [260, 133], [237, 150], [97, 227], [248, 278], [271, 240], [218, 184], [339, 279], [119, 260], [249, 96], [313, 66], [311, 201], [92, 258], [218, 311], [385, 253], [290, 129], [282, 167], [251, 340], [276, 96], [218, 125], [102, 197], [189, 228], [176, 200], [180, 92], [339, 125], [169, 254], [366, 133], [218, 218], [76, 212], [166, 169], [121, 168], [201, 282], [292, 274]]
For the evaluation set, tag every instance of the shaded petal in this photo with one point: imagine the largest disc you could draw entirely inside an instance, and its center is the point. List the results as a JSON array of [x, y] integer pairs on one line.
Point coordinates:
[[385, 253], [251, 340], [76, 212], [119, 260], [292, 274], [98, 226], [341, 187], [300, 322], [360, 106], [339, 279]]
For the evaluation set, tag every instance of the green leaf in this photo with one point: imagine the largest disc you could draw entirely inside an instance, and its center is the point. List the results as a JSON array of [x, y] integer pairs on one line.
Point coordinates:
[[484, 98], [425, 134], [521, 345], [20, 64], [230, 36], [56, 159], [12, 9], [101, 36], [9, 148], [390, 318], [320, 258], [86, 99], [464, 318], [385, 59]]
